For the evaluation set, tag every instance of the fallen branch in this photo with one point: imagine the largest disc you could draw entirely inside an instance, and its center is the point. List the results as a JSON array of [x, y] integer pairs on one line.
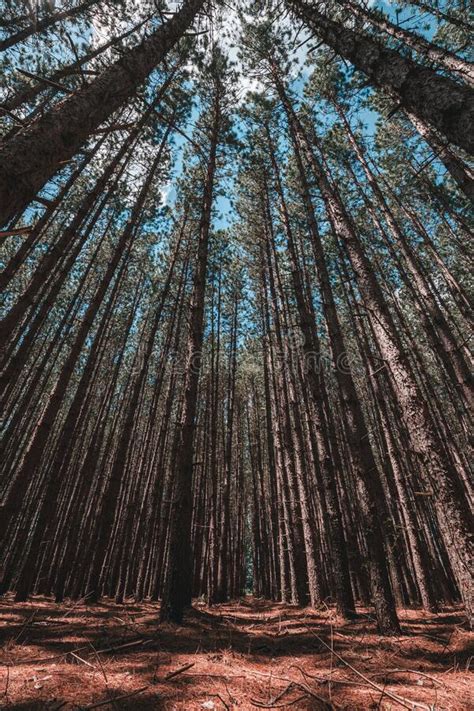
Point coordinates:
[[272, 703], [180, 670], [279, 696], [406, 703], [278, 706], [225, 705], [76, 604], [327, 705], [42, 660], [99, 661], [80, 659], [116, 698], [136, 643], [415, 671], [325, 679]]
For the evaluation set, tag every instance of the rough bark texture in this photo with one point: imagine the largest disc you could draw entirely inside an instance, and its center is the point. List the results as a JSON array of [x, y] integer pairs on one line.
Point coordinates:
[[29, 92], [345, 600], [460, 172], [440, 55], [36, 153], [447, 106], [43, 24], [177, 592]]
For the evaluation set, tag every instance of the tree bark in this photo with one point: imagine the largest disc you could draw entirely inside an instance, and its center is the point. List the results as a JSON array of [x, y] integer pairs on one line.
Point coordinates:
[[372, 498], [28, 93], [453, 509], [35, 153], [42, 25], [315, 376], [444, 104], [460, 172], [441, 56], [177, 593]]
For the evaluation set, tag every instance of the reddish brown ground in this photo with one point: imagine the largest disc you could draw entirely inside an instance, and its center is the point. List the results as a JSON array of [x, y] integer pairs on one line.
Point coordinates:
[[241, 656]]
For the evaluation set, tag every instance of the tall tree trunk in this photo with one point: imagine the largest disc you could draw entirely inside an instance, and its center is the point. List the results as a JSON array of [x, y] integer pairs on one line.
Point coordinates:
[[28, 244], [40, 26], [223, 573], [372, 497], [432, 52], [35, 153], [69, 239], [443, 103], [33, 456], [460, 172], [215, 537], [311, 348], [453, 509], [29, 92], [177, 593], [437, 326]]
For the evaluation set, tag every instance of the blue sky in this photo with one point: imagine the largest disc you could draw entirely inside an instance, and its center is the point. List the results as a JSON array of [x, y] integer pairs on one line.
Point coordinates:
[[408, 17], [229, 39]]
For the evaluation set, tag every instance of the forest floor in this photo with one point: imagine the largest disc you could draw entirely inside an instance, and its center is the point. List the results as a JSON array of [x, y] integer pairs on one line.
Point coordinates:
[[245, 655]]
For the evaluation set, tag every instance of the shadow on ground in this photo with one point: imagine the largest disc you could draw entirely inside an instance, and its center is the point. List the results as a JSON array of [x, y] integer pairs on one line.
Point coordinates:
[[235, 656]]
